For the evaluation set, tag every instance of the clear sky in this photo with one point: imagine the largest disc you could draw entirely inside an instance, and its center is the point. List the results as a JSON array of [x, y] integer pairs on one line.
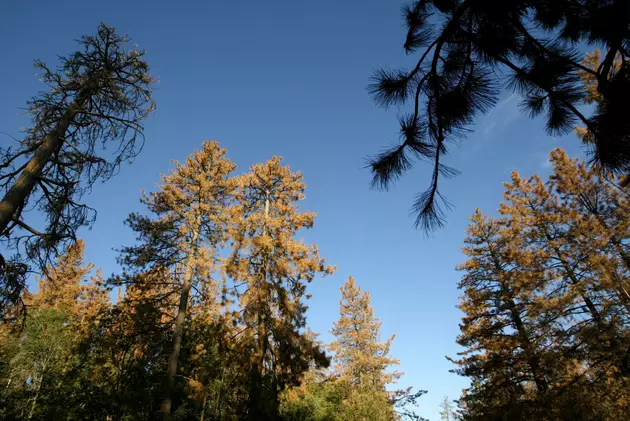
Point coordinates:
[[288, 78]]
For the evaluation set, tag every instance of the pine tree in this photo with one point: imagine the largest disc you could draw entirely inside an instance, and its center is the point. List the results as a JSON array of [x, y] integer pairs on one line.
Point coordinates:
[[460, 44], [448, 412], [123, 359], [98, 97], [600, 209], [179, 243], [359, 386], [572, 255], [361, 360], [68, 287], [546, 318], [502, 339], [359, 355], [271, 270], [42, 356]]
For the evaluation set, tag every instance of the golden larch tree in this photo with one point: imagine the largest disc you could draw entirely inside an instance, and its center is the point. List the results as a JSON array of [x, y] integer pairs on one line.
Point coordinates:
[[71, 286], [181, 238], [359, 354], [545, 326], [271, 269]]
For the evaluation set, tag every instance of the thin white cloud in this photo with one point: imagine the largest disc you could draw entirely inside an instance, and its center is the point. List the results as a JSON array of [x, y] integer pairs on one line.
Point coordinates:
[[489, 128], [495, 122]]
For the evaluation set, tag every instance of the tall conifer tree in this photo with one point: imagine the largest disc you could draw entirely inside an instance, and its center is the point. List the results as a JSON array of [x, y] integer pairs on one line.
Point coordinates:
[[179, 242], [271, 270]]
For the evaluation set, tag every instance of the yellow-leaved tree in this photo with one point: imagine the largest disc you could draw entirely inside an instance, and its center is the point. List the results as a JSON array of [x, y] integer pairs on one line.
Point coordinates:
[[179, 242], [359, 355], [545, 300], [271, 269], [43, 356]]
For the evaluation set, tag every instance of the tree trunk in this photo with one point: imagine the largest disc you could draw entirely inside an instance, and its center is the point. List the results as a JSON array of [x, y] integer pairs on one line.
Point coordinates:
[[25, 184], [39, 388], [532, 358], [575, 281], [203, 407], [255, 410], [171, 370]]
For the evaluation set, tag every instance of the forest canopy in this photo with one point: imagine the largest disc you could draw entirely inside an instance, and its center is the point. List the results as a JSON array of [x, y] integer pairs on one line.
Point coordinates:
[[206, 314]]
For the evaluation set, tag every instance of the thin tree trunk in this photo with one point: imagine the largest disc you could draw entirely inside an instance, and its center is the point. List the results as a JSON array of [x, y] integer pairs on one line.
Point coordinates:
[[255, 411], [39, 388], [532, 359], [569, 271], [171, 370], [574, 280], [25, 184], [218, 405], [203, 408]]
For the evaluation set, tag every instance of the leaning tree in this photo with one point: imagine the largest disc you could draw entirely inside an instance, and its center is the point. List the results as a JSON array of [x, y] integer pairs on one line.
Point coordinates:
[[84, 125]]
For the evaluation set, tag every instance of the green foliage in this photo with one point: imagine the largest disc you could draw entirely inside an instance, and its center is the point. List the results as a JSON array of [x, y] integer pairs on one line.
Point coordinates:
[[316, 401], [357, 388], [35, 364]]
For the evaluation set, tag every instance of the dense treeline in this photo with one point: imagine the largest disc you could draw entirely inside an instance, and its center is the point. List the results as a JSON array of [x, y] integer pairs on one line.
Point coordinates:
[[210, 319]]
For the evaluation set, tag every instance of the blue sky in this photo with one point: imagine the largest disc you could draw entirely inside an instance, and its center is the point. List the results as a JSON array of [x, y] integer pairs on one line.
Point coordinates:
[[289, 78]]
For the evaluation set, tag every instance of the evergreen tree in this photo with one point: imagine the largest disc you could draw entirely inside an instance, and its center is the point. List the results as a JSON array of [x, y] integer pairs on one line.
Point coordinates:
[[359, 355], [573, 252], [447, 412], [504, 349], [362, 362], [180, 242], [271, 270], [41, 359], [460, 44], [546, 317], [43, 353], [357, 388], [68, 287]]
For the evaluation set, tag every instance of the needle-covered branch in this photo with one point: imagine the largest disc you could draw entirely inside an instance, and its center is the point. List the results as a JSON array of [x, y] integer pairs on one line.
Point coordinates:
[[468, 50]]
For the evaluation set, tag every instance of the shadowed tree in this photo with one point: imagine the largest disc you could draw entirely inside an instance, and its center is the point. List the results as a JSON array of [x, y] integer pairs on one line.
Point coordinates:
[[467, 50], [84, 126], [503, 341]]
